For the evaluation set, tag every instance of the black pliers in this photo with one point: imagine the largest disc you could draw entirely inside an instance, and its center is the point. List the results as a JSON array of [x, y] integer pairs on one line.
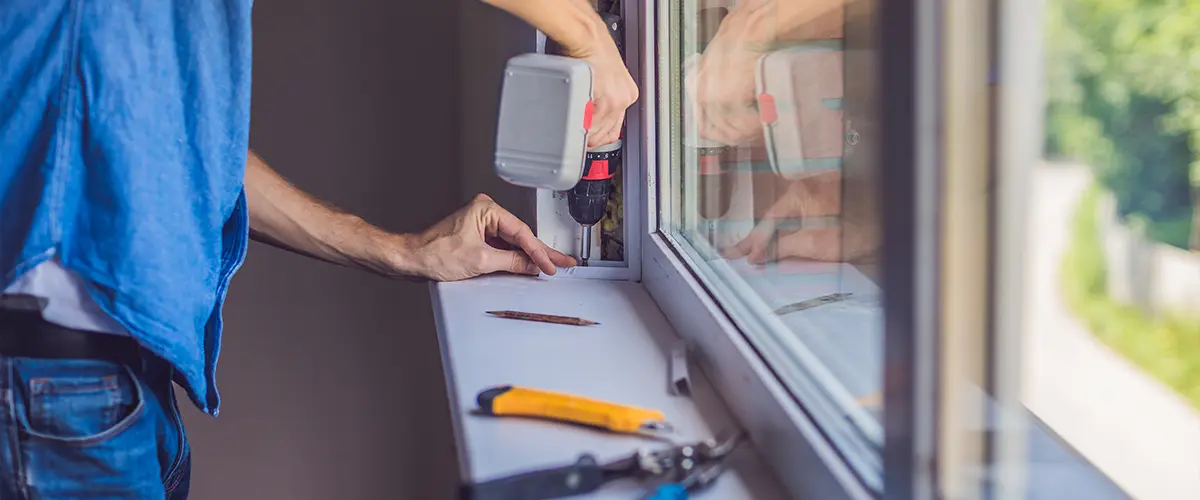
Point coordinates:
[[685, 464]]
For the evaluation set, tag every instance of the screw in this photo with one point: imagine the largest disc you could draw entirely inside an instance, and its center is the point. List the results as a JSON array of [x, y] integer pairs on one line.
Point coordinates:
[[573, 480], [852, 137]]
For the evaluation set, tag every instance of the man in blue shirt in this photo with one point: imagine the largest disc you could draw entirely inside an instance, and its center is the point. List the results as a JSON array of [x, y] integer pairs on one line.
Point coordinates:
[[127, 196]]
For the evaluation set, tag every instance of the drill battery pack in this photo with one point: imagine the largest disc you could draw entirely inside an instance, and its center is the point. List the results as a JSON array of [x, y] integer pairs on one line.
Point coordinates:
[[545, 112]]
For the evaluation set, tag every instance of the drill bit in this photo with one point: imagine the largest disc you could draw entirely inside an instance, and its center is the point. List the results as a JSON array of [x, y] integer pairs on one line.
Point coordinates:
[[585, 246]]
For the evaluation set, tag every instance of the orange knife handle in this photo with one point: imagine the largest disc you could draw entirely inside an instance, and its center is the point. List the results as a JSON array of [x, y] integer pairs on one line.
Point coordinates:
[[518, 401]]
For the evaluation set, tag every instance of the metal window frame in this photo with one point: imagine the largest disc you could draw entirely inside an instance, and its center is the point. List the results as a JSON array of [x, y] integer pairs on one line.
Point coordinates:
[[908, 65], [1019, 132], [784, 433], [804, 461]]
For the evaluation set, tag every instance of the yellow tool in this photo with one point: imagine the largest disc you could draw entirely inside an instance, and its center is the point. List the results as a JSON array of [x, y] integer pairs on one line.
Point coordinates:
[[519, 401]]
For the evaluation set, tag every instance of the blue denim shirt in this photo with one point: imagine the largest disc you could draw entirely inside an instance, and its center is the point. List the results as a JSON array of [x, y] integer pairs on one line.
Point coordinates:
[[124, 126]]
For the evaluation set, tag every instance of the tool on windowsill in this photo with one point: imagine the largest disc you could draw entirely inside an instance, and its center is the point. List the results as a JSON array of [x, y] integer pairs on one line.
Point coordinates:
[[524, 402], [543, 318], [686, 467], [680, 383], [693, 482], [814, 302]]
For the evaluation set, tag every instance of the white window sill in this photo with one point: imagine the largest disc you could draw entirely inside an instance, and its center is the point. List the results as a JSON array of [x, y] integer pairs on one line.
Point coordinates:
[[624, 359]]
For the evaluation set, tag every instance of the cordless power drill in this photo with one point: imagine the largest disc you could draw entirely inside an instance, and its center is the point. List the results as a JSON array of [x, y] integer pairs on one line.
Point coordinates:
[[541, 137]]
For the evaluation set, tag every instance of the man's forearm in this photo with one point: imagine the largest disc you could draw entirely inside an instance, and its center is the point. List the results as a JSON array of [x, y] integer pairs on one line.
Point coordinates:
[[574, 24], [283, 216], [761, 24]]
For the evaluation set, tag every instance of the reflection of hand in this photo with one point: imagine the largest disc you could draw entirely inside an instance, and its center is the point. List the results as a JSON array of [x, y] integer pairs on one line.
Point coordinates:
[[482, 238], [815, 196], [720, 83], [764, 244]]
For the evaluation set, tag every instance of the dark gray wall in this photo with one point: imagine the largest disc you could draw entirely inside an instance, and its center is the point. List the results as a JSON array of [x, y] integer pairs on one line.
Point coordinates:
[[488, 37], [331, 379]]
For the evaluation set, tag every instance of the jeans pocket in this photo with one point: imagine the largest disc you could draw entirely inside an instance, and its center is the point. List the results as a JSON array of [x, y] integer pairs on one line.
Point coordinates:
[[86, 431], [82, 402]]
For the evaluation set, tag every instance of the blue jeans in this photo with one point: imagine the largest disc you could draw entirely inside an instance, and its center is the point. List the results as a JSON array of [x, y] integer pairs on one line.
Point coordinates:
[[72, 429]]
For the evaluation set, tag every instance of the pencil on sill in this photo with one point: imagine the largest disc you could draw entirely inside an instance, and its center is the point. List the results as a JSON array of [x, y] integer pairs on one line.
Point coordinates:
[[543, 318]]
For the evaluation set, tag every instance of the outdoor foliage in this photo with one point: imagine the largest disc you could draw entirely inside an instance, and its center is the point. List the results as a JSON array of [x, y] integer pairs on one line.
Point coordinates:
[[1123, 85], [1167, 348]]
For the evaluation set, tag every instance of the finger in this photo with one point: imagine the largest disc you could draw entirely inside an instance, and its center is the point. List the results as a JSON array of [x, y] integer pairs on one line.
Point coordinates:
[[511, 261], [759, 257], [821, 244], [718, 121], [741, 249], [716, 126], [612, 114], [709, 86], [745, 125], [600, 138], [605, 131], [512, 230], [763, 253], [759, 237], [560, 259], [734, 124], [557, 258]]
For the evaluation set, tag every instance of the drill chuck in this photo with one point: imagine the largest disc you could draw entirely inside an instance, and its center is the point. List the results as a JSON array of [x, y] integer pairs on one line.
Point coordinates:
[[588, 200]]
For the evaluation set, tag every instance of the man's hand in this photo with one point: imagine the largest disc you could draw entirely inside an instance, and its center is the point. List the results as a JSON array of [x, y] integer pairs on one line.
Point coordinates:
[[481, 238], [613, 90], [816, 196], [720, 83], [576, 26]]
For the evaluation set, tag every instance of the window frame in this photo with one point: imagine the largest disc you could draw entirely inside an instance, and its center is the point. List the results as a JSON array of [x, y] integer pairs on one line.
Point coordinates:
[[927, 77], [749, 388], [785, 434]]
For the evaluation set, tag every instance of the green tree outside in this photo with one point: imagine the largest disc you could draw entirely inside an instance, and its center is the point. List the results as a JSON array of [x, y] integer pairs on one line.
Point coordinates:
[[1123, 83]]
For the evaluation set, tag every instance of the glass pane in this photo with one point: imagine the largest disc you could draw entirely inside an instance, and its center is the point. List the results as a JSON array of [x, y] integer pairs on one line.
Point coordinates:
[[1112, 313], [771, 197]]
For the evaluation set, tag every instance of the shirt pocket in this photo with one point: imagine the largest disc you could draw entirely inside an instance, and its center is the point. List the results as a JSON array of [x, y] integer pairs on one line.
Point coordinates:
[[83, 406]]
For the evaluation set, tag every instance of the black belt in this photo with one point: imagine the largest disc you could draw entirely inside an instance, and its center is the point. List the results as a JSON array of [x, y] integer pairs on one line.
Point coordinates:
[[25, 334]]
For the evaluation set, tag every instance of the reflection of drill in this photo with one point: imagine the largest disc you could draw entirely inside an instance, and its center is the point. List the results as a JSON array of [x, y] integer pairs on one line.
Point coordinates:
[[715, 178], [589, 198]]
